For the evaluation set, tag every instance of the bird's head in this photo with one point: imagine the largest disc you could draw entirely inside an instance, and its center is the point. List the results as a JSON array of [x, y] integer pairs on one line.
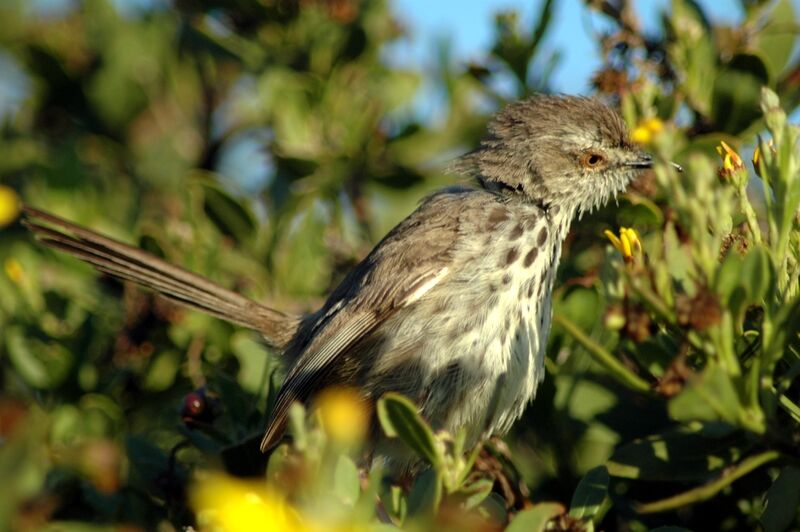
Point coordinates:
[[570, 151]]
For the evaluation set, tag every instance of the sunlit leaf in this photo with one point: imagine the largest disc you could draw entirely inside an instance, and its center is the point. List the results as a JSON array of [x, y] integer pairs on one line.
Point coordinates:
[[679, 454], [588, 497], [708, 396], [535, 519], [400, 418]]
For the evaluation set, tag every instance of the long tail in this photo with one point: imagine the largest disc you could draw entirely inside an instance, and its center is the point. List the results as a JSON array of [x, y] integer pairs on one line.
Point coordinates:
[[174, 283]]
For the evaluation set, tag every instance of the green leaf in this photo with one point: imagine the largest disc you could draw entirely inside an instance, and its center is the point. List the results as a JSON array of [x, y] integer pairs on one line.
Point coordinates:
[[346, 484], [777, 39], [679, 263], [230, 216], [41, 364], [782, 500], [535, 519], [757, 273], [693, 53], [581, 305], [640, 212], [254, 360], [737, 93], [729, 276], [399, 418], [301, 258], [162, 371], [706, 491], [477, 492], [280, 461], [680, 454], [742, 281], [590, 494], [494, 508], [708, 396], [426, 494]]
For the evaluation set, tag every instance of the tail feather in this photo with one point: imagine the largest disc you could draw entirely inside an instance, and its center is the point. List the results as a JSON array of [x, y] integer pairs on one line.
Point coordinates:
[[175, 283]]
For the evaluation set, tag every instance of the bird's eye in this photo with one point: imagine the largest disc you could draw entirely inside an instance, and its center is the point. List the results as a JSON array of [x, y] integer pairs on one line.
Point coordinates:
[[591, 160]]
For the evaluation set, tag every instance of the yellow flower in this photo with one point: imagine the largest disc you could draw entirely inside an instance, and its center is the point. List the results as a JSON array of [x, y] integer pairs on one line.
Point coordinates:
[[627, 243], [731, 162], [344, 414], [225, 503], [13, 270], [646, 130], [10, 205]]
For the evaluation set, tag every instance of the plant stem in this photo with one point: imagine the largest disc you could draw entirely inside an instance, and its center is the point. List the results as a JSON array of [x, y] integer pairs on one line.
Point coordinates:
[[790, 408], [749, 214], [604, 357], [705, 492], [662, 311]]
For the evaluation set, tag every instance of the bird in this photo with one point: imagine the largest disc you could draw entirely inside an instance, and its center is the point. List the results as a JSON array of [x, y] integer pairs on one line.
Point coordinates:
[[453, 307]]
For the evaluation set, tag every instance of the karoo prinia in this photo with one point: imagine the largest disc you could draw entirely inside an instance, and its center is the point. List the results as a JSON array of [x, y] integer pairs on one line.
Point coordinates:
[[453, 307]]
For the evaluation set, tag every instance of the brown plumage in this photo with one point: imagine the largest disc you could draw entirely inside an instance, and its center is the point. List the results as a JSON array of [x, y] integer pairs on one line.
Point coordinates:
[[452, 308]]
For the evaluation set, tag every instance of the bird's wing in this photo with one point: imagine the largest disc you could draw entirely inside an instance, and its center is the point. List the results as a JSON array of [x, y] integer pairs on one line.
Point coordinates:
[[408, 263]]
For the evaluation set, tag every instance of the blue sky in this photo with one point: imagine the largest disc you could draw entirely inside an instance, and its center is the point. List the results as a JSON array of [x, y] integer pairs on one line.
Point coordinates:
[[469, 24]]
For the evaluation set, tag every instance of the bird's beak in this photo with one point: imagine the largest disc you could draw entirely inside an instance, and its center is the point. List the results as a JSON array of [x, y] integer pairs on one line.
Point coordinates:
[[644, 160]]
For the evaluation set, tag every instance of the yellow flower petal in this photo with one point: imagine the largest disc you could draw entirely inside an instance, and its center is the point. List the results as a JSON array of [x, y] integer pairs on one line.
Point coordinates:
[[654, 125], [225, 503], [344, 414], [633, 239], [614, 240], [730, 159], [627, 243], [10, 205], [641, 135], [644, 132], [13, 270]]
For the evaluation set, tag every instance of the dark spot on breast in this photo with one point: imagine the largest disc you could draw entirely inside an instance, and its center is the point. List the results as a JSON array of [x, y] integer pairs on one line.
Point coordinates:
[[511, 256], [492, 288], [542, 238], [530, 257], [506, 279], [516, 232], [497, 216], [531, 285]]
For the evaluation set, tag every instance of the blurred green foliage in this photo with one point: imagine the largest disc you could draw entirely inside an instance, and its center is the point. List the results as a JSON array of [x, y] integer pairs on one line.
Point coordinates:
[[268, 144]]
